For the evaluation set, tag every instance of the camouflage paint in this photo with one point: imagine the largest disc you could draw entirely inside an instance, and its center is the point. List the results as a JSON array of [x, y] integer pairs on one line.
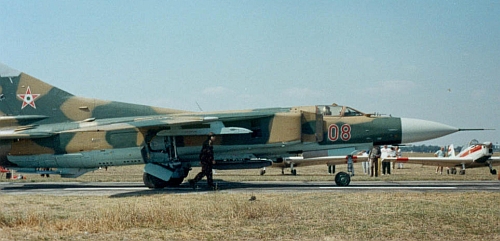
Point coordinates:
[[58, 128]]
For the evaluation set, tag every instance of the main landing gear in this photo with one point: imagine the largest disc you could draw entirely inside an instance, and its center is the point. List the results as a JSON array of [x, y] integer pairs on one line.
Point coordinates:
[[344, 178], [163, 167], [454, 171], [293, 171]]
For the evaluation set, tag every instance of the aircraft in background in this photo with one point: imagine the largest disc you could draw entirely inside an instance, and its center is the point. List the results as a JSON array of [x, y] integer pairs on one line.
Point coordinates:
[[473, 155], [341, 179], [46, 130]]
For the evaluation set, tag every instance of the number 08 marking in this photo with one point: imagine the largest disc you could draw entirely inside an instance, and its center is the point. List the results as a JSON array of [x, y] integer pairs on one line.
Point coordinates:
[[344, 132]]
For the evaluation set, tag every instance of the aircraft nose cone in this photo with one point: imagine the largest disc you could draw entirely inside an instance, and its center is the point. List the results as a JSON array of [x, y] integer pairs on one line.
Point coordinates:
[[414, 130]]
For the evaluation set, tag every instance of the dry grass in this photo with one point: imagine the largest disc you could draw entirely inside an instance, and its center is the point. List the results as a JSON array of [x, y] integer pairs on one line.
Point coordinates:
[[221, 216], [283, 216]]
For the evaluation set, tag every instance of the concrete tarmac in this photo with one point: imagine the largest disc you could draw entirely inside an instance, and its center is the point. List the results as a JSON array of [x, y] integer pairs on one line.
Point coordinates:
[[124, 189]]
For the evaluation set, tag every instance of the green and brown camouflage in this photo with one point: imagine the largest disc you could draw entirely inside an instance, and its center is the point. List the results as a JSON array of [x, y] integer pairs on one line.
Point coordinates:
[[44, 129]]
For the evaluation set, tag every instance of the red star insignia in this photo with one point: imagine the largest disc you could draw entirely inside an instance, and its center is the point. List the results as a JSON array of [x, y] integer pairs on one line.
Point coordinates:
[[28, 98]]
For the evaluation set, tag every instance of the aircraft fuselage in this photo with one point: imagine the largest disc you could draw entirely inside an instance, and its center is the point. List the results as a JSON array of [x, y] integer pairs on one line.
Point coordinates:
[[281, 132]]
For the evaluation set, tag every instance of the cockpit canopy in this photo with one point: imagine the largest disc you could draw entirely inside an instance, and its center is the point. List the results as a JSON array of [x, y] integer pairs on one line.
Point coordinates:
[[469, 144], [337, 110], [475, 142]]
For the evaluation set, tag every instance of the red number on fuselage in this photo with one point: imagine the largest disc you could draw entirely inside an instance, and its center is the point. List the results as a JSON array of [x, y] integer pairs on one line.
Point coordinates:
[[344, 132], [333, 132]]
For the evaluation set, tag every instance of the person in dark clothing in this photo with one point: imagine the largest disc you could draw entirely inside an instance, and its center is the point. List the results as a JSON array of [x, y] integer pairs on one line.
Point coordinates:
[[207, 161], [374, 156]]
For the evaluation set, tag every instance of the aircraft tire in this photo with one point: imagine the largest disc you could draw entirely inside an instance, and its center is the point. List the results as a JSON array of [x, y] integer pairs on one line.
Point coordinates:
[[342, 179], [493, 172], [152, 181]]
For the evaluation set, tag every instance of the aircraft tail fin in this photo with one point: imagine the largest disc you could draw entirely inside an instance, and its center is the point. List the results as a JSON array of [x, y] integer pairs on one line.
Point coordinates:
[[451, 151], [25, 100]]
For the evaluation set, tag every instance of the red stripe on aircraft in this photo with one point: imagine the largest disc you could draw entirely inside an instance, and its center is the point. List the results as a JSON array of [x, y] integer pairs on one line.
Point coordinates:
[[354, 159], [472, 150], [402, 159]]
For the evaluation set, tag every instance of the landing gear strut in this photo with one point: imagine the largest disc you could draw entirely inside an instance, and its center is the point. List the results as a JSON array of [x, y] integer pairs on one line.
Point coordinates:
[[492, 171]]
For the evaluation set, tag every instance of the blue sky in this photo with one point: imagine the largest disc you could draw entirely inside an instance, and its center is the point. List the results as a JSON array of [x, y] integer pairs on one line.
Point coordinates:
[[432, 60]]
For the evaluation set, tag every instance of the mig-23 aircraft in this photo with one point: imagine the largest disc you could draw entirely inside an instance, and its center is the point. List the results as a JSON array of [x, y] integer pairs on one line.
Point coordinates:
[[473, 155], [46, 130]]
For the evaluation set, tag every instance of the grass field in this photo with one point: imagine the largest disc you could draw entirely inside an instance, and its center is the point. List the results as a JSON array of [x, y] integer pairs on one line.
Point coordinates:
[[278, 216]]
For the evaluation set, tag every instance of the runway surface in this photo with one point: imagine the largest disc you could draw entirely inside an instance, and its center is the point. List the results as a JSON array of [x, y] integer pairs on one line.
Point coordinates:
[[123, 189]]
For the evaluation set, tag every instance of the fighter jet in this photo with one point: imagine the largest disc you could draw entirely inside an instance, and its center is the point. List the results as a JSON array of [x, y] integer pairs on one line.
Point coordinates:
[[46, 130], [473, 155]]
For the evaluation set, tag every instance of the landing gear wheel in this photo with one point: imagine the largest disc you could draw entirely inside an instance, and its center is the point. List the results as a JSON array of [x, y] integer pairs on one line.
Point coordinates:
[[342, 179], [493, 171], [462, 172], [294, 172], [262, 172], [153, 182]]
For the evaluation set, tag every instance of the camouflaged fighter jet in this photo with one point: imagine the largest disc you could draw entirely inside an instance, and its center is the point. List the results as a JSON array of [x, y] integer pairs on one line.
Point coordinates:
[[46, 130]]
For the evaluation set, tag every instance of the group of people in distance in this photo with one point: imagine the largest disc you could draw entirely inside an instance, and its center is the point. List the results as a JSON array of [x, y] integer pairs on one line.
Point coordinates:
[[375, 154]]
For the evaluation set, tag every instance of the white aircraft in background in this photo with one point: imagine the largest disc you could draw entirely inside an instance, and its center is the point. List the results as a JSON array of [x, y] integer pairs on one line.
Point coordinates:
[[474, 155], [292, 162]]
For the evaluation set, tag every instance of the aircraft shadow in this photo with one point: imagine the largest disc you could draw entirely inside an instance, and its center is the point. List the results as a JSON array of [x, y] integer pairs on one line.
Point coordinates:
[[202, 187]]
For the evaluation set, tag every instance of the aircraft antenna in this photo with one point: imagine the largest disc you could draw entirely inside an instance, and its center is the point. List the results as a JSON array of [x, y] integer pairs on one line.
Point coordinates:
[[199, 107]]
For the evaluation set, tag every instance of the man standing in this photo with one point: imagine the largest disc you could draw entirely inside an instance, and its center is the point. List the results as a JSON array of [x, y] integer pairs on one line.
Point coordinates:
[[207, 161], [386, 166], [439, 153], [374, 155]]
